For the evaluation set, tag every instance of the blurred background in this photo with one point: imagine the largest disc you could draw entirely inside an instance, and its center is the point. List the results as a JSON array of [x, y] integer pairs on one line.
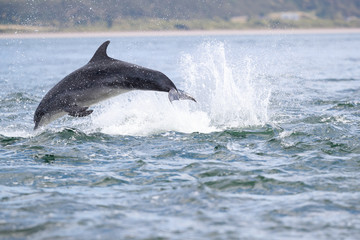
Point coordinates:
[[150, 15]]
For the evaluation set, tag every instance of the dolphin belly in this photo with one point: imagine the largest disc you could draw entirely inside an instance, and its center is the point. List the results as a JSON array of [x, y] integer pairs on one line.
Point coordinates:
[[89, 97]]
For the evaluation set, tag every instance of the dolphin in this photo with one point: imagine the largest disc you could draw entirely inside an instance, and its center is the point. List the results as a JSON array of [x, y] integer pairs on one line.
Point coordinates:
[[101, 78]]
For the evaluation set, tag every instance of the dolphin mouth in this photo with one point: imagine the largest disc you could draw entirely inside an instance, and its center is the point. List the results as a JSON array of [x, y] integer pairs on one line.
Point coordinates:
[[179, 95], [38, 125]]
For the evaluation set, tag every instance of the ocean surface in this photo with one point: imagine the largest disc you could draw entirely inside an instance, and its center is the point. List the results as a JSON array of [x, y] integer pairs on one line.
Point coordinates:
[[271, 149]]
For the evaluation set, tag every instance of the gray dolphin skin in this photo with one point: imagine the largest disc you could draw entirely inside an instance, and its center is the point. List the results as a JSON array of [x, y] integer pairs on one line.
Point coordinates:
[[101, 78]]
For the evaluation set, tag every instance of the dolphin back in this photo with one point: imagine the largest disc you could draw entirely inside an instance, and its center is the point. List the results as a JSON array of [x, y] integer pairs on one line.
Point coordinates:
[[179, 95]]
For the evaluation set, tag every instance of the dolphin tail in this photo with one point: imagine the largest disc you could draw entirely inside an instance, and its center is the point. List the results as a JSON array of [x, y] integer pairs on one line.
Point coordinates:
[[179, 95]]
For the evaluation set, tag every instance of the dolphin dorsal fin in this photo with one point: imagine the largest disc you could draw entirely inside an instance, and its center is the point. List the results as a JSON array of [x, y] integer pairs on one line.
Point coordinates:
[[100, 53]]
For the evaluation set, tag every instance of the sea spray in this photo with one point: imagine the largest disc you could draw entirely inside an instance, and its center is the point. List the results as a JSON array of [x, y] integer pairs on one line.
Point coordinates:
[[227, 92], [142, 113]]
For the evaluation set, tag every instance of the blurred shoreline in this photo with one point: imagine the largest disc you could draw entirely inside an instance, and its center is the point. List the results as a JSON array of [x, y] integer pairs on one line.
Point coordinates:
[[178, 33]]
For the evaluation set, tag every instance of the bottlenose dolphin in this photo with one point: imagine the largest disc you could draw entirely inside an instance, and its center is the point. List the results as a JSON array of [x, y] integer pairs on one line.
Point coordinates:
[[101, 78]]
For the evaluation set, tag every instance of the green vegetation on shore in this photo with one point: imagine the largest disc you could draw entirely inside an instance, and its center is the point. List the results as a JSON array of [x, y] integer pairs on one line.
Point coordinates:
[[183, 25], [154, 15]]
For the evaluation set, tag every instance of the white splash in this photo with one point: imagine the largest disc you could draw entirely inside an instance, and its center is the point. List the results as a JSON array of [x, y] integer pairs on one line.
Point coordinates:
[[143, 113], [227, 94], [226, 90]]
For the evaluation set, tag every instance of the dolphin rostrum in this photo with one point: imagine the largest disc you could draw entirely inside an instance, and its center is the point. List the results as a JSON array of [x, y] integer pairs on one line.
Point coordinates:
[[101, 78]]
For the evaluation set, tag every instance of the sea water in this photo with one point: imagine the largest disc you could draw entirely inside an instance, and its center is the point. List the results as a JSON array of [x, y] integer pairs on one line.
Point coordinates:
[[269, 151]]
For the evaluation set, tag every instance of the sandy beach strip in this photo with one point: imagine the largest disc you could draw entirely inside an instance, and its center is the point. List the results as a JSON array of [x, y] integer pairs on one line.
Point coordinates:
[[178, 33]]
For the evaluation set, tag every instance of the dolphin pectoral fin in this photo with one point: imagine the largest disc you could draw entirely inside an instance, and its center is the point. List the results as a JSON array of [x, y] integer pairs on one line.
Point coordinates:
[[76, 111], [179, 95], [81, 114]]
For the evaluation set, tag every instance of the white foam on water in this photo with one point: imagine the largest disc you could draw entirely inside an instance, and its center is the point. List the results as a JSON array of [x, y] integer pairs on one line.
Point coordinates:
[[228, 96], [142, 113], [16, 133]]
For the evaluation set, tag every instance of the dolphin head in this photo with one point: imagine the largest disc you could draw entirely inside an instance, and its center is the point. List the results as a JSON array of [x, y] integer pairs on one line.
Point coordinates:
[[38, 118], [41, 117], [44, 116]]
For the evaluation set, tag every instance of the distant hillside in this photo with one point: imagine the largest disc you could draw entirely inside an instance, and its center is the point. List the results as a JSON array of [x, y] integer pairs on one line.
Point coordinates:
[[70, 13]]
